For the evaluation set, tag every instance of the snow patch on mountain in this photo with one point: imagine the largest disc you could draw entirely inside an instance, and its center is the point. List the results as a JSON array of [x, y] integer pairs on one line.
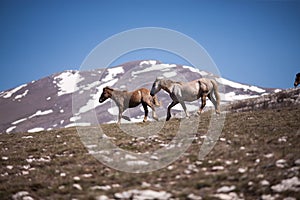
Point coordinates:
[[10, 129], [238, 85], [39, 113], [232, 96], [19, 121], [148, 62], [21, 95], [9, 93], [112, 73], [156, 67], [37, 129], [195, 70], [67, 82]]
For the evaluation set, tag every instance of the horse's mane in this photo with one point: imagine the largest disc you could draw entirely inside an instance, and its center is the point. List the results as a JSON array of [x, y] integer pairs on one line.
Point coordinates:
[[170, 81]]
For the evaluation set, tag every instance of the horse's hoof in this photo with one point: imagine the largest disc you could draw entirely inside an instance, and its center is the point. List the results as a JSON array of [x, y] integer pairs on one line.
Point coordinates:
[[155, 118]]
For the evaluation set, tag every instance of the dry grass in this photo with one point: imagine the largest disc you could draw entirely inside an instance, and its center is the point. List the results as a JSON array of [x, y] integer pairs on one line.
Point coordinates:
[[45, 163]]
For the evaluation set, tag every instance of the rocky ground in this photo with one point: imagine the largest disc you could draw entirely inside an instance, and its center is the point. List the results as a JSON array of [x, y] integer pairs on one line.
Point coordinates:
[[256, 157]]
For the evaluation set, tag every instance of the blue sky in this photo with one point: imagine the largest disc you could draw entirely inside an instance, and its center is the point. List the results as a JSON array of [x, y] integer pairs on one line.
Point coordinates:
[[253, 42]]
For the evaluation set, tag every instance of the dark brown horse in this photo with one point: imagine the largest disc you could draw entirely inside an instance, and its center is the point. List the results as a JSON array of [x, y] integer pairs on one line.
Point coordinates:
[[125, 99], [297, 80]]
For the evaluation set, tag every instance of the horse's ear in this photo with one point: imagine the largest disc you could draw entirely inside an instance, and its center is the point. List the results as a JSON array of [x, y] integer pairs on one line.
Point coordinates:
[[159, 78], [108, 88]]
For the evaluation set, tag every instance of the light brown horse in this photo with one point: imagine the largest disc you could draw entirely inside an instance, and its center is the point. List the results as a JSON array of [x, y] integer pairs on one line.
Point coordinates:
[[188, 91], [125, 99], [297, 80]]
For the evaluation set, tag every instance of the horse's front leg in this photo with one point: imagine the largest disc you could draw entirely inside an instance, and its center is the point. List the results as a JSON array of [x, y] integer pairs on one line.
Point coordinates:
[[146, 111], [169, 110], [121, 110], [184, 108], [203, 103]]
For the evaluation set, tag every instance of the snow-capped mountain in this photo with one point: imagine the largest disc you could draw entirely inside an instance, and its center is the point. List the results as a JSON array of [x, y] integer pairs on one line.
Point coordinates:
[[59, 100]]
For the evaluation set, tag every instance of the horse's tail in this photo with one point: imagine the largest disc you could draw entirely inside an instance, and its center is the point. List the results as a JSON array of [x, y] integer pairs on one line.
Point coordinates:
[[155, 101], [216, 93]]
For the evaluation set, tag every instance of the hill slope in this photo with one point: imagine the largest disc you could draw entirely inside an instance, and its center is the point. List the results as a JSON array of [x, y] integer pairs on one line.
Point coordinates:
[[256, 157]]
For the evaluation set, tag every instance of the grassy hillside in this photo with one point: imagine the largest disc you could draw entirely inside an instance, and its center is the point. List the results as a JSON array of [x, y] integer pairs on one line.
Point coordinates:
[[256, 157]]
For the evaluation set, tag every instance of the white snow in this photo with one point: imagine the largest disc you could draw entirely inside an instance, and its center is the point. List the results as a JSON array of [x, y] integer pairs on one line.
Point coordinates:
[[238, 85], [39, 113], [112, 73], [22, 95], [195, 70], [9, 93], [18, 121], [94, 99], [67, 82], [78, 124], [148, 62], [37, 129], [231, 96], [113, 110], [158, 67], [10, 129], [74, 118], [169, 74]]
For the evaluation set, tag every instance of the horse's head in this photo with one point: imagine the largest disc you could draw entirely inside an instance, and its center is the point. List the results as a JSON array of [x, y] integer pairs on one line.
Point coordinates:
[[156, 87], [297, 80], [106, 93]]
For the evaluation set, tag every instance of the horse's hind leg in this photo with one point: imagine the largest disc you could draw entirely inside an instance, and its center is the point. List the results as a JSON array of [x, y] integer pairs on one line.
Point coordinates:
[[212, 99], [146, 111], [203, 103], [184, 108]]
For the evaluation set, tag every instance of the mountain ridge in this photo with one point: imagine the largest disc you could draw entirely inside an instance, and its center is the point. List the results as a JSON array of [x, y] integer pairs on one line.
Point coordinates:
[[46, 104]]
